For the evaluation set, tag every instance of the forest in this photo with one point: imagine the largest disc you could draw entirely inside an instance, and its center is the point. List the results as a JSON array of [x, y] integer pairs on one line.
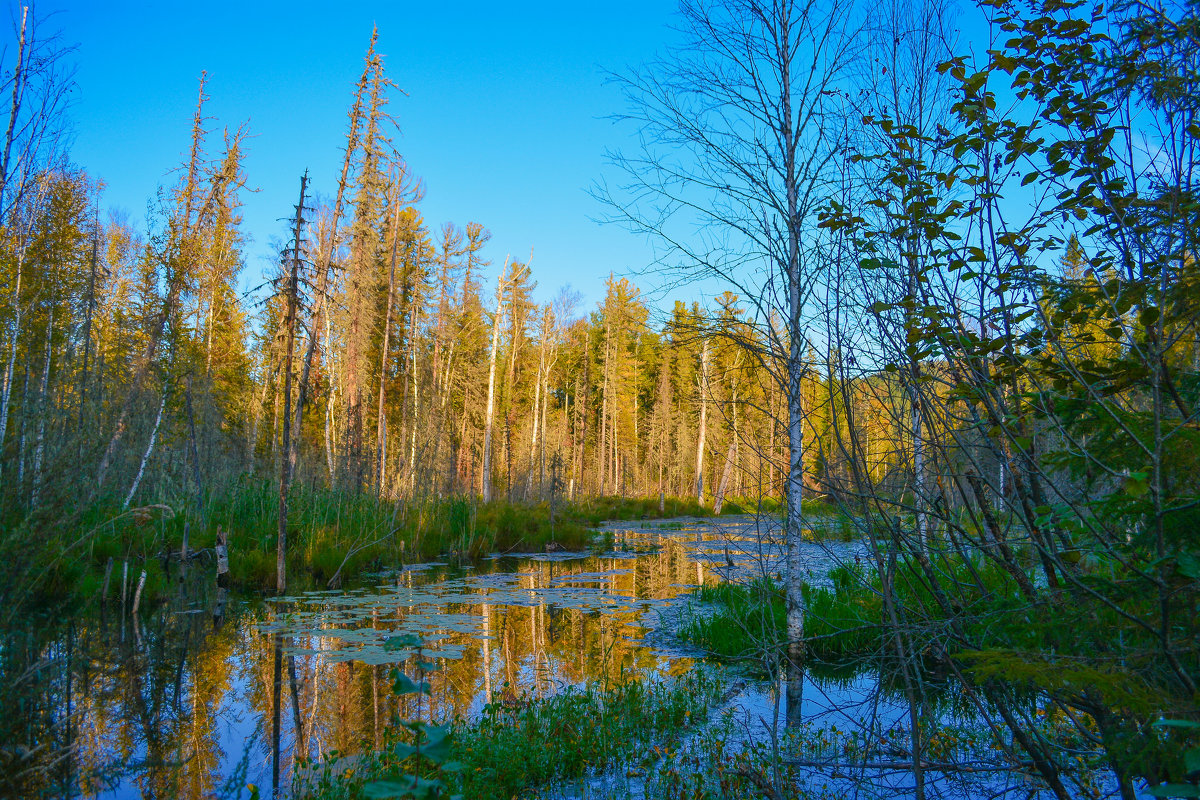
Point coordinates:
[[137, 376], [957, 312]]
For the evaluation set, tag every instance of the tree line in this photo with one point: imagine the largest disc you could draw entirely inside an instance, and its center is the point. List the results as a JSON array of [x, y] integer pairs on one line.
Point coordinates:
[[136, 373]]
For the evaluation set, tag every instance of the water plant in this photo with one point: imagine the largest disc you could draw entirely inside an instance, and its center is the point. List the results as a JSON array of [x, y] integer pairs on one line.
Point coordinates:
[[522, 743], [418, 755]]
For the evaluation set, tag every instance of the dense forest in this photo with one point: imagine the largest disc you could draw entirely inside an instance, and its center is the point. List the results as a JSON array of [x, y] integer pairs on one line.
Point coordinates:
[[961, 307], [136, 374]]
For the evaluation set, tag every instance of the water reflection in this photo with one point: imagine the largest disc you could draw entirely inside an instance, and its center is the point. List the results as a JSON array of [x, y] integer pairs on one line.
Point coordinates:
[[209, 693]]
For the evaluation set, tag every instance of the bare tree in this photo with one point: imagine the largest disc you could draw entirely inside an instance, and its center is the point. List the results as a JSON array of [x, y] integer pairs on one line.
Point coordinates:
[[287, 462], [740, 126]]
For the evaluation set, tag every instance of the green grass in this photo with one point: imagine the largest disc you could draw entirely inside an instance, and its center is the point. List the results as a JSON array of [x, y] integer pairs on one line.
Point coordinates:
[[747, 622], [612, 507], [333, 535], [515, 748]]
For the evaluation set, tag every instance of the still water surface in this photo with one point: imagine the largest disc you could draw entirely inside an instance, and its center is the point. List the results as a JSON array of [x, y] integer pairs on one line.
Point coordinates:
[[185, 704]]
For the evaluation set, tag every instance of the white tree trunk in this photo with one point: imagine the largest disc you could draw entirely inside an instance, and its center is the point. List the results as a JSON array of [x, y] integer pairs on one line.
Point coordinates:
[[793, 533], [146, 456], [703, 423], [491, 400], [14, 332]]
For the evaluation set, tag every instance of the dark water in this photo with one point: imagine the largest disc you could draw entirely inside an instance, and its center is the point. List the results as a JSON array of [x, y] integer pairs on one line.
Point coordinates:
[[205, 694]]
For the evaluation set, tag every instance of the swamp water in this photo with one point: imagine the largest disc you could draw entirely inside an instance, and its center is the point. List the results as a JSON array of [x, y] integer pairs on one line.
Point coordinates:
[[205, 696]]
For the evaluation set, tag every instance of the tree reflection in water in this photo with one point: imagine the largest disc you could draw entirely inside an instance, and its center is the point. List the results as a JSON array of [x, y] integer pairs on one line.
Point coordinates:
[[191, 704]]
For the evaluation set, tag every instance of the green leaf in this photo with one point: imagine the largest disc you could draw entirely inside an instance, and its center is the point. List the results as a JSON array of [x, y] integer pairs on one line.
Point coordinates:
[[402, 750], [402, 684], [1136, 485], [1189, 567], [1177, 723], [405, 641], [397, 788], [405, 786]]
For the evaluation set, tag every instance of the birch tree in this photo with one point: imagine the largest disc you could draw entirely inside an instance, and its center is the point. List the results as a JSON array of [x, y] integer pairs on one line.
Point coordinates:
[[489, 417], [741, 125]]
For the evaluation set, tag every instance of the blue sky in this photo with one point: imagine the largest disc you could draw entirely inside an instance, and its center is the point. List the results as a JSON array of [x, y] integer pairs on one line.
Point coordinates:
[[504, 117]]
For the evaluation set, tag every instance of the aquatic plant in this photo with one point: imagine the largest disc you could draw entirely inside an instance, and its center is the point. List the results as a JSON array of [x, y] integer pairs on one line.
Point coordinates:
[[417, 756], [522, 743]]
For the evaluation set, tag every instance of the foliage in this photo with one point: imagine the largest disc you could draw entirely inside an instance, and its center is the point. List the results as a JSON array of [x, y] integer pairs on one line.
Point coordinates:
[[418, 757], [525, 743]]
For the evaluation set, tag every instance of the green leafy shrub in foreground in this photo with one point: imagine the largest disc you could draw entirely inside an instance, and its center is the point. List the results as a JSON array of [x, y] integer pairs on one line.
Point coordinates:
[[520, 744]]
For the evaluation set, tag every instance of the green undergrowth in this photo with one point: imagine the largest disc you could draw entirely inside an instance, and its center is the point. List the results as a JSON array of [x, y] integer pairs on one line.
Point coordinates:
[[994, 633], [523, 745], [844, 619]]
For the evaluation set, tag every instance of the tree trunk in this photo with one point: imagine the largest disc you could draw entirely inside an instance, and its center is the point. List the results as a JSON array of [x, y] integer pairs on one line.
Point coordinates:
[[87, 344], [330, 248], [176, 280], [20, 80], [703, 423], [416, 408], [192, 449], [14, 333], [602, 443], [537, 400], [730, 458], [146, 455], [381, 429], [287, 461], [491, 397]]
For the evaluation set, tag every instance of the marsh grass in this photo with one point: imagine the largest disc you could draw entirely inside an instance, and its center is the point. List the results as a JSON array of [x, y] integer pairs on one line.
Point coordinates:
[[334, 535], [843, 620]]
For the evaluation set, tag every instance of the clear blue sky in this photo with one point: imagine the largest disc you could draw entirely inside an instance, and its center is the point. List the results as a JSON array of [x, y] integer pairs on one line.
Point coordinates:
[[504, 117]]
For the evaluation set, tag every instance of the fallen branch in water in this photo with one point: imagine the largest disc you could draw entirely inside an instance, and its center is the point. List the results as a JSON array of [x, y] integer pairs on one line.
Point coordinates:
[[337, 574]]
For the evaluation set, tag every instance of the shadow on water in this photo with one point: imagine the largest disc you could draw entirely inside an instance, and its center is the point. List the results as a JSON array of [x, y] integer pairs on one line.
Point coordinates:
[[206, 694]]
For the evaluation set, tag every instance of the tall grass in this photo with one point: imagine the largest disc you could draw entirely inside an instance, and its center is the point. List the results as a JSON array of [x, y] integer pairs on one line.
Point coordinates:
[[333, 536], [843, 620]]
